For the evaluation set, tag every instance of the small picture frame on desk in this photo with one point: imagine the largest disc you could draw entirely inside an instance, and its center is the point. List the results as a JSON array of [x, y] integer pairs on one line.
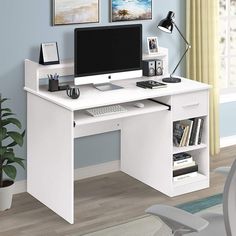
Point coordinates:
[[152, 45], [49, 54]]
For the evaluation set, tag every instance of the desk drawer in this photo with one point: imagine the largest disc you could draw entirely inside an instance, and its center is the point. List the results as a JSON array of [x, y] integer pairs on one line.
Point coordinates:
[[189, 105]]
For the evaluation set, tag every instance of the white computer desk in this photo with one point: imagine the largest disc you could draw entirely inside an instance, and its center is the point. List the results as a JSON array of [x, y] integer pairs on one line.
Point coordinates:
[[54, 121]]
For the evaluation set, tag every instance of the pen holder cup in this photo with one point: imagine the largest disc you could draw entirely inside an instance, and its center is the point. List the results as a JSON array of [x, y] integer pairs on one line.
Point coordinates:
[[53, 85]]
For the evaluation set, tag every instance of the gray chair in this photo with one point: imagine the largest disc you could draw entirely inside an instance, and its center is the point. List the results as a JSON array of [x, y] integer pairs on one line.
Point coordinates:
[[207, 224]]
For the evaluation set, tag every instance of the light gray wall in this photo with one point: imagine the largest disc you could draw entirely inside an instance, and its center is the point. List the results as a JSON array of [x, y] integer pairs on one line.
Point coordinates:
[[25, 24]]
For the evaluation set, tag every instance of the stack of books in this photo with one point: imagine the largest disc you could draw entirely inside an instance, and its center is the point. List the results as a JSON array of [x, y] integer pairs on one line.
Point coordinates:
[[188, 132], [184, 166]]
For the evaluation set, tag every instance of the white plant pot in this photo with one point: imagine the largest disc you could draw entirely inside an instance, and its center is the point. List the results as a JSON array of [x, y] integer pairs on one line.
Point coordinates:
[[6, 194]]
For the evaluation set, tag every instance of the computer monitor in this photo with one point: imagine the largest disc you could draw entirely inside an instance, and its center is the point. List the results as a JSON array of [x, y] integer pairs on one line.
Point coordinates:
[[104, 54]]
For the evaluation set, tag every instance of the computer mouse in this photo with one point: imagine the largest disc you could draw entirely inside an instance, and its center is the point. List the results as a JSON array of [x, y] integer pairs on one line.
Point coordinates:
[[139, 104]]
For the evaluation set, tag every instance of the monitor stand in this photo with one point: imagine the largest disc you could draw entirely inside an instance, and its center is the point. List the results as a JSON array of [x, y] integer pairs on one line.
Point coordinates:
[[107, 87]]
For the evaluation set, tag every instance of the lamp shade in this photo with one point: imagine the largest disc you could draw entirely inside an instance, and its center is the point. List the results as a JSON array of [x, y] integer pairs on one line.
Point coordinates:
[[166, 24]]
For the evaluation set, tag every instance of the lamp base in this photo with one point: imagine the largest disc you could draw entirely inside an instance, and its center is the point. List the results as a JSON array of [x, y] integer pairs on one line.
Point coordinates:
[[171, 80]]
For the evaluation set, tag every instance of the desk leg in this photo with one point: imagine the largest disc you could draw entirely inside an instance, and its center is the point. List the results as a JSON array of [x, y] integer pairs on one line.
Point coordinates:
[[50, 155]]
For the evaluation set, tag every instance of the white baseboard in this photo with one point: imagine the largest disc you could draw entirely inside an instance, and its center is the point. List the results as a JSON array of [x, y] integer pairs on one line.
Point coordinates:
[[95, 170], [81, 173], [228, 141]]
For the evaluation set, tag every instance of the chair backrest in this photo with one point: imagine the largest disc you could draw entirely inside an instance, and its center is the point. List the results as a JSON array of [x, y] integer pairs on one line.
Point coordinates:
[[229, 202]]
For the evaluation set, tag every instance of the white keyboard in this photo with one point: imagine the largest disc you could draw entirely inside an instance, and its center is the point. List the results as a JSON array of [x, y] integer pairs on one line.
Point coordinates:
[[107, 110]]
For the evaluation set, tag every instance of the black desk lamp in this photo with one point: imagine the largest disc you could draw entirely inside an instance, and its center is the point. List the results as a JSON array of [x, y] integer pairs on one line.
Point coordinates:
[[167, 26]]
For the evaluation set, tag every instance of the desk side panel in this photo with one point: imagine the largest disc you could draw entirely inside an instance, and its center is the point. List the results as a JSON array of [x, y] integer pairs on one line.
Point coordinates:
[[146, 149], [50, 161], [31, 75]]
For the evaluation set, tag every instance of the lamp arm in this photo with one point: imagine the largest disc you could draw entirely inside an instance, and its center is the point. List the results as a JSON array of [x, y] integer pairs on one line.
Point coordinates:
[[185, 40], [187, 48], [180, 61]]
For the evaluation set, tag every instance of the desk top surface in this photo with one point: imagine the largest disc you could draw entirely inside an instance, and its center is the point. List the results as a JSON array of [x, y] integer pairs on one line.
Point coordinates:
[[91, 97]]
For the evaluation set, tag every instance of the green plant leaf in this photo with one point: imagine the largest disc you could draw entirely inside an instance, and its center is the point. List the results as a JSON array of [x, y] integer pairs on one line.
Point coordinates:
[[11, 121], [3, 100], [17, 137], [4, 122], [3, 133], [10, 171], [2, 150], [19, 161], [12, 144], [23, 134], [5, 110], [9, 156], [8, 114]]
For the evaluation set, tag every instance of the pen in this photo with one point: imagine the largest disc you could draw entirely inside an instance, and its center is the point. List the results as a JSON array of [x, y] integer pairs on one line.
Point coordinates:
[[53, 77], [56, 76]]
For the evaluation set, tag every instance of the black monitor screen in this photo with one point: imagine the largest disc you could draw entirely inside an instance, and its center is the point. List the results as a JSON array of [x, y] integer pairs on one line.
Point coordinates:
[[104, 50]]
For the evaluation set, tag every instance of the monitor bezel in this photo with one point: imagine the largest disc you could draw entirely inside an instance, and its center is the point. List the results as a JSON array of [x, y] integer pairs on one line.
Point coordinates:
[[76, 75]]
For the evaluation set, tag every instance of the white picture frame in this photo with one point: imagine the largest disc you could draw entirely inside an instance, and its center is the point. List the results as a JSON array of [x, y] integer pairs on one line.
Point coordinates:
[[49, 53], [152, 45]]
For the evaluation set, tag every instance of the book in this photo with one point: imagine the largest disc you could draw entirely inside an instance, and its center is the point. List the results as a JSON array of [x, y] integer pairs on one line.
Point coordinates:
[[151, 84], [189, 124], [178, 131], [186, 170], [194, 131], [199, 121], [184, 136], [183, 164], [200, 132], [182, 177], [181, 156]]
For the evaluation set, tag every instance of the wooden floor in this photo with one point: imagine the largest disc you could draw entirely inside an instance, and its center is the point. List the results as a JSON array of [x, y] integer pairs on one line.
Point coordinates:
[[99, 202]]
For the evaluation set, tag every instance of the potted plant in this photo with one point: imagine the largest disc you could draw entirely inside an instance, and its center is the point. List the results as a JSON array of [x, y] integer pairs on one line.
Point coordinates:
[[9, 138]]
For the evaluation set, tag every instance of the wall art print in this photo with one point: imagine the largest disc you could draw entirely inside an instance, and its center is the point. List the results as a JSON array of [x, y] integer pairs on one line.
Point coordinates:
[[75, 11], [128, 10]]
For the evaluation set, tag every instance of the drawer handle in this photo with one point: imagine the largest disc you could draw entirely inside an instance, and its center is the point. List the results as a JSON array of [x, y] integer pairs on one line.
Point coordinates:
[[191, 105]]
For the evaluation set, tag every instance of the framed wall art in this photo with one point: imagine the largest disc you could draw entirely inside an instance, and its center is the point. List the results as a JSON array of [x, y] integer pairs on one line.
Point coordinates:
[[75, 11], [131, 10]]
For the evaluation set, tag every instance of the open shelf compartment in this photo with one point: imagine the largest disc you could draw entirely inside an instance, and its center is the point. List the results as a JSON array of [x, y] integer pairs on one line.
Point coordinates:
[[190, 180], [200, 158]]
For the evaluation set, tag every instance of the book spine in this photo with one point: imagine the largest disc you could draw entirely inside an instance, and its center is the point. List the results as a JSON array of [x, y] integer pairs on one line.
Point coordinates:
[[198, 129], [193, 133], [182, 162], [181, 156], [185, 170], [182, 177], [141, 86], [189, 132], [177, 134], [184, 165], [200, 132], [182, 142], [186, 136]]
